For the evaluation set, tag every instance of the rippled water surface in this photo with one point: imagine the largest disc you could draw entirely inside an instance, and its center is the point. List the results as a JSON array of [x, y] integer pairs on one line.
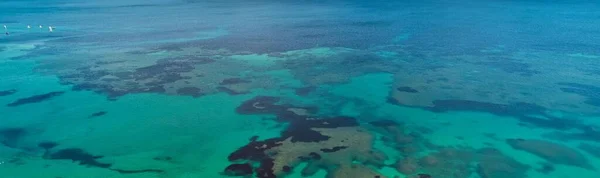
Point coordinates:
[[331, 89]]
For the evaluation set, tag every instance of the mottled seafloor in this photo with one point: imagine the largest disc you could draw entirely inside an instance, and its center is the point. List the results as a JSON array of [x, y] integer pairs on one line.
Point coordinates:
[[335, 89]]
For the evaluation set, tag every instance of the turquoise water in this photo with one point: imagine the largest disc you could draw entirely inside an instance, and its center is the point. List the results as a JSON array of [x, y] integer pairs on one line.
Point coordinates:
[[335, 89]]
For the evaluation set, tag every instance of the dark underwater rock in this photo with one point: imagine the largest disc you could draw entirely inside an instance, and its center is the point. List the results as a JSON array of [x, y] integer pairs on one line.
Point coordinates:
[[35, 99], [286, 169], [121, 171], [163, 158], [546, 168], [190, 91], [266, 169], [314, 155], [98, 114], [47, 146], [424, 176], [254, 150], [238, 170], [305, 90], [253, 138], [407, 90], [552, 152], [334, 149], [311, 156], [300, 129], [79, 155], [10, 137], [231, 81], [7, 92]]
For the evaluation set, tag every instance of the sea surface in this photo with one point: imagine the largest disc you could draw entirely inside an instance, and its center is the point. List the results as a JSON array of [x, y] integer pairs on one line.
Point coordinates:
[[298, 89]]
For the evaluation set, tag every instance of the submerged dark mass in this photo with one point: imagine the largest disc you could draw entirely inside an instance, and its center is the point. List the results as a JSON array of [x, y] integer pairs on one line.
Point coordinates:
[[35, 99], [7, 92]]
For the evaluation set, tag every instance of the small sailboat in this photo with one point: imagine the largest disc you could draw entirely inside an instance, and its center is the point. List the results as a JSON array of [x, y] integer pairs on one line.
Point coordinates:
[[28, 26], [41, 26], [50, 29]]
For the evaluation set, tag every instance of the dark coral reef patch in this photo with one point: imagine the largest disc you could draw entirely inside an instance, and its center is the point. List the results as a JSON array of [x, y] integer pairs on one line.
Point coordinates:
[[334, 149], [330, 143], [420, 158], [545, 168], [148, 79], [231, 81], [190, 91], [237, 86], [238, 170]]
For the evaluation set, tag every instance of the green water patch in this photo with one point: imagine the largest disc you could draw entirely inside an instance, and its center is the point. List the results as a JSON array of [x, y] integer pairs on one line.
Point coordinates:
[[358, 97], [184, 136], [372, 88], [196, 134], [389, 151]]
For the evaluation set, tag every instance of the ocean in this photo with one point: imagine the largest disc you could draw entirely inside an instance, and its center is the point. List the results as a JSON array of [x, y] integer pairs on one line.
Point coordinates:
[[299, 89]]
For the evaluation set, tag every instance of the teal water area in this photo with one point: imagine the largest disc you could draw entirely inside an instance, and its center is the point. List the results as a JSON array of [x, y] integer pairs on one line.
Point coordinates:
[[352, 89]]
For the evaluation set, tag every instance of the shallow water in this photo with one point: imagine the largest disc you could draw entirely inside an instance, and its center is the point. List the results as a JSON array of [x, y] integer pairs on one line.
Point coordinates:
[[182, 89]]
